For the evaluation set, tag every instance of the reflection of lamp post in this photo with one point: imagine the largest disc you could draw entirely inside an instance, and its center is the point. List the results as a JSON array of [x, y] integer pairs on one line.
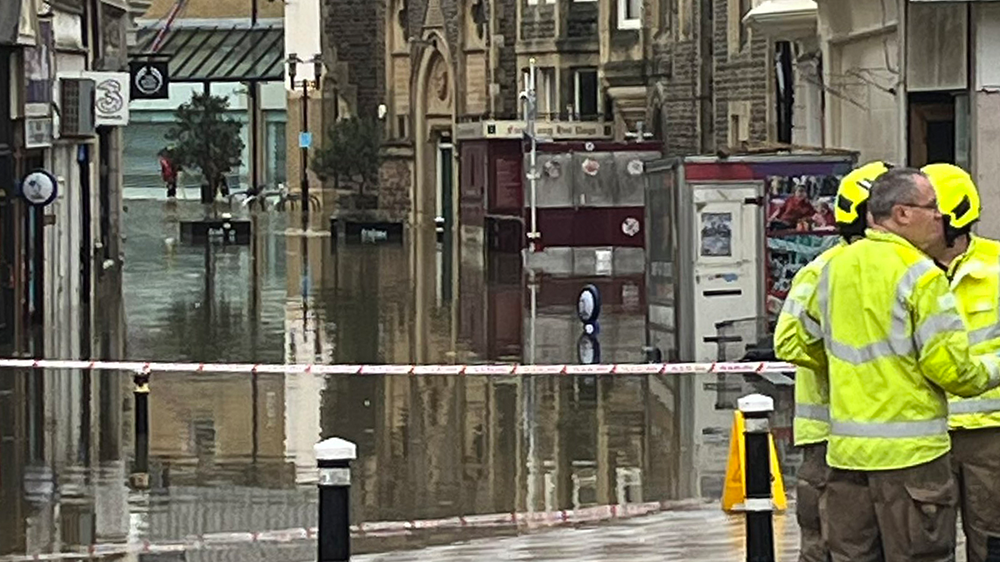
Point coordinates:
[[304, 140]]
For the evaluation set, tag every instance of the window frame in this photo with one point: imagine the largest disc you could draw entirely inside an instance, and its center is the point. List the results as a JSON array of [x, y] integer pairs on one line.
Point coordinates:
[[626, 22], [576, 92]]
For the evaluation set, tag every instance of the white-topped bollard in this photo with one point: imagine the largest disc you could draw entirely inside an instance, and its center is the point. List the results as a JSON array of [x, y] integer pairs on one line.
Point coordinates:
[[333, 458], [759, 507]]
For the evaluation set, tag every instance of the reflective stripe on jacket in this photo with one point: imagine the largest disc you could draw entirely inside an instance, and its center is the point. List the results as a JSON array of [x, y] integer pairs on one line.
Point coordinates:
[[812, 391], [975, 280], [893, 339]]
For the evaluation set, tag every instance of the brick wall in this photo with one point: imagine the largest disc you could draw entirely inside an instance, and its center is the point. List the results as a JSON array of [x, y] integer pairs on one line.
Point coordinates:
[[581, 20], [674, 69], [538, 22], [507, 74], [682, 101], [675, 65], [395, 181], [739, 77], [355, 29]]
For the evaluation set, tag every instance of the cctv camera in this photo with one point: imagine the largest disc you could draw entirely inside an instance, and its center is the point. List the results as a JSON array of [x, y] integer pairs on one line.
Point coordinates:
[[382, 111]]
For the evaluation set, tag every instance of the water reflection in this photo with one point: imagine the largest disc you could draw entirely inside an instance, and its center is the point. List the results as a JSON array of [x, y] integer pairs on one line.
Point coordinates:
[[234, 452]]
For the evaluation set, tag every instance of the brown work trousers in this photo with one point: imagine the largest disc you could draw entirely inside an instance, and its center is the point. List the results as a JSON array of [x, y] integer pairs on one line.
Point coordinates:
[[812, 477], [909, 514], [976, 463]]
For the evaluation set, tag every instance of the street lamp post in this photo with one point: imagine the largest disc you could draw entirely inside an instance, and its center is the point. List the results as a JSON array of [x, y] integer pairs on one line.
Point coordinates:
[[529, 95], [305, 140]]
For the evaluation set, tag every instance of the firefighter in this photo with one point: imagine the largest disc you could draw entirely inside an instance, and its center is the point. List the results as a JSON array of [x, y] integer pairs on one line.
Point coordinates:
[[812, 416], [884, 325], [972, 266]]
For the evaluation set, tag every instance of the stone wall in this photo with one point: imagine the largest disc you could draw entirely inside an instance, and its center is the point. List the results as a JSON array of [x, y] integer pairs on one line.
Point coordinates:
[[696, 77], [395, 183], [739, 77], [675, 66], [354, 30]]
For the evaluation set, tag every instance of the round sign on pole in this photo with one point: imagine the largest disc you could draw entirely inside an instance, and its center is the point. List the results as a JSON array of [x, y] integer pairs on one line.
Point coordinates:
[[588, 304], [39, 188]]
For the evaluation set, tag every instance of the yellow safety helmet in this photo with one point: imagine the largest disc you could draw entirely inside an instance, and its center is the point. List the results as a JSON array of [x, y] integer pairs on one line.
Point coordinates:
[[851, 210], [958, 198]]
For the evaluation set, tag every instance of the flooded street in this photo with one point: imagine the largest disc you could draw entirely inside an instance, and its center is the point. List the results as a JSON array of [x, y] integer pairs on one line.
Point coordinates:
[[235, 452]]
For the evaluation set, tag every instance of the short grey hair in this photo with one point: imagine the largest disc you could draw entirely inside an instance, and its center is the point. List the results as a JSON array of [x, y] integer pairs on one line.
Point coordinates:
[[898, 186]]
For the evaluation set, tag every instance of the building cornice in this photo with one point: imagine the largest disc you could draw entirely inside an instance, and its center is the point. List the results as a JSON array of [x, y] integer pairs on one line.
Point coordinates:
[[784, 19]]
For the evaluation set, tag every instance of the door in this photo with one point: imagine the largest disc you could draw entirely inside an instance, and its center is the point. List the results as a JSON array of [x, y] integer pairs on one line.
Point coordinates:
[[727, 248], [727, 266], [445, 184]]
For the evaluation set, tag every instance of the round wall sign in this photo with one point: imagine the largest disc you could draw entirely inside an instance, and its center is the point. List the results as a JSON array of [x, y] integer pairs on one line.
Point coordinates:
[[39, 188], [591, 167], [630, 226]]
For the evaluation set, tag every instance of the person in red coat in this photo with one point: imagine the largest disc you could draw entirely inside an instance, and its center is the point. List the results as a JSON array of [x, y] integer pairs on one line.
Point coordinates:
[[168, 171]]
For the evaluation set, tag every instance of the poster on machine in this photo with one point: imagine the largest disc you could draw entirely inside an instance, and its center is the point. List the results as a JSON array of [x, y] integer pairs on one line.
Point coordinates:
[[800, 226]]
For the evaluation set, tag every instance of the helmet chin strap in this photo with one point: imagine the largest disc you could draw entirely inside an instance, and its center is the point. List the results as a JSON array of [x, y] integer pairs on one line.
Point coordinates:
[[950, 234]]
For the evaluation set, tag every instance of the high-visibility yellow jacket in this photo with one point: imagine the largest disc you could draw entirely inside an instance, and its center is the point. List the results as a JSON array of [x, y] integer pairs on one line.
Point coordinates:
[[885, 325], [975, 280], [812, 390]]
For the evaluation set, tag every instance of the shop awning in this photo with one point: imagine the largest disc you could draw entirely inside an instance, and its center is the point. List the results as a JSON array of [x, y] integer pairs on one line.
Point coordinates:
[[221, 53]]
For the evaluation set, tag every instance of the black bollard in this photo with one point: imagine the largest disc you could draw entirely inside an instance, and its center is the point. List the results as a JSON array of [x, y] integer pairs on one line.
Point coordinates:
[[757, 463], [140, 472], [333, 457]]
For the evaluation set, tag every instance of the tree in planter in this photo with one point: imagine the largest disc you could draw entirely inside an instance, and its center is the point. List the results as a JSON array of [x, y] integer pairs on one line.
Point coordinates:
[[206, 139], [350, 156]]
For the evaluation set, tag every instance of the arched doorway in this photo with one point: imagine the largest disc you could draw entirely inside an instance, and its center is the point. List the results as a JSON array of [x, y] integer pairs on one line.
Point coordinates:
[[434, 186]]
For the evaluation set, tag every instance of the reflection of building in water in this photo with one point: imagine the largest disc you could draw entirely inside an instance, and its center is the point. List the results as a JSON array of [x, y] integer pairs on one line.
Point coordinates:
[[62, 468], [302, 391], [582, 440], [210, 427], [308, 340], [439, 446], [598, 440]]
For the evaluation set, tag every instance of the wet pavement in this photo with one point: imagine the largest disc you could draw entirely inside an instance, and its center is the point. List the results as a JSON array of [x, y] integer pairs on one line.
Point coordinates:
[[685, 535], [234, 452]]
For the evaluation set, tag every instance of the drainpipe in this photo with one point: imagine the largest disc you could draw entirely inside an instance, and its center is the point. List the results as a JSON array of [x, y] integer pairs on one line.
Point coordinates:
[[493, 60]]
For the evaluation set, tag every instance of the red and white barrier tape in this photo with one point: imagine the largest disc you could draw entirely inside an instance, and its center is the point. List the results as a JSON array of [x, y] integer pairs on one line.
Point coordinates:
[[467, 370], [377, 529]]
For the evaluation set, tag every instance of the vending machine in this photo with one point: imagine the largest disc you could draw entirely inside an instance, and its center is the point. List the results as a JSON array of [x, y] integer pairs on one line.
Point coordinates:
[[725, 236]]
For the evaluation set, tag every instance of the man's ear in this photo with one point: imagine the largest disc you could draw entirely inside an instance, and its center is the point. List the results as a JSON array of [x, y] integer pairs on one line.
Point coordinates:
[[901, 214]]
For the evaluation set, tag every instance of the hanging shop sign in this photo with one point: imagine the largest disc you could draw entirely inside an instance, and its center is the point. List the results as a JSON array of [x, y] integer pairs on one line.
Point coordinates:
[[111, 97], [149, 80]]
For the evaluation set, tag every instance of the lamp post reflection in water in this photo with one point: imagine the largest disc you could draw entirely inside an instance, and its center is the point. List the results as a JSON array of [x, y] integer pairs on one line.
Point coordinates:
[[530, 399]]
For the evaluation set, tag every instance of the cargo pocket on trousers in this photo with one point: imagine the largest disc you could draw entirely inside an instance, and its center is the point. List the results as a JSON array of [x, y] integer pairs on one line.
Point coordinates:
[[932, 519], [807, 497]]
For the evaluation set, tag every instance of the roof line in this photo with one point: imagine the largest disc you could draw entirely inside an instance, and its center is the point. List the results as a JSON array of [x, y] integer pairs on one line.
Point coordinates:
[[238, 23]]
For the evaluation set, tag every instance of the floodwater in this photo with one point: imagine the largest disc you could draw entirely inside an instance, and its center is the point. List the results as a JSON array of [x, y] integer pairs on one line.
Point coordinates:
[[234, 452]]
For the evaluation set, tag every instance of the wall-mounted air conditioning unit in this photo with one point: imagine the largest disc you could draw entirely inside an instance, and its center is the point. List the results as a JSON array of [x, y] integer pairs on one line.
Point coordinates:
[[76, 107]]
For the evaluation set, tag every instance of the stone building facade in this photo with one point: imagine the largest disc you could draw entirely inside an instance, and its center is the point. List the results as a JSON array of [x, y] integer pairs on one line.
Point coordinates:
[[687, 72], [420, 66], [710, 75]]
